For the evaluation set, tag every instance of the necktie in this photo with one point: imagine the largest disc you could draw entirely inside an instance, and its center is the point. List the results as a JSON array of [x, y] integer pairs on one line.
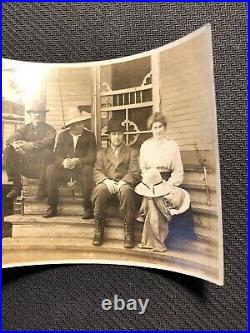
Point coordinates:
[[116, 151]]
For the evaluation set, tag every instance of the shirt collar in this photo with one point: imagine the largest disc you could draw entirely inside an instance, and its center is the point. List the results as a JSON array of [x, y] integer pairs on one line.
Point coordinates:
[[116, 148], [75, 135], [37, 126]]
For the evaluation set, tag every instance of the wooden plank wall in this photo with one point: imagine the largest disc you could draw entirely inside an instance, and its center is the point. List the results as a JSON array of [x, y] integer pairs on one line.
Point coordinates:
[[187, 100], [68, 87], [186, 96]]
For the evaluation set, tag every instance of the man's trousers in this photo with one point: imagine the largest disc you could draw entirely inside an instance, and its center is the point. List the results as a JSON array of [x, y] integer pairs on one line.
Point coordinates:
[[101, 198], [56, 175]]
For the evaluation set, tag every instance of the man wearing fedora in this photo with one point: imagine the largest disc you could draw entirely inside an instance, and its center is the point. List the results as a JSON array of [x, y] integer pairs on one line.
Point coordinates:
[[75, 156], [30, 150], [116, 173]]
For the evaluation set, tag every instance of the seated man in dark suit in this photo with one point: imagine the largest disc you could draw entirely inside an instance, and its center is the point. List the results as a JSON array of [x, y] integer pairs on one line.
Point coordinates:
[[75, 155], [30, 149], [116, 173]]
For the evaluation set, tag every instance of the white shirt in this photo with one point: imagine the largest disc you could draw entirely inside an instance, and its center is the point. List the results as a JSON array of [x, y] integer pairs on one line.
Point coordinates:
[[116, 150], [164, 155], [75, 139]]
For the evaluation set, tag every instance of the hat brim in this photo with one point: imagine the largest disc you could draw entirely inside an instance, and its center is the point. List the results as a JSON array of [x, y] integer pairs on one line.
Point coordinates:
[[157, 191], [76, 120], [184, 205], [115, 130]]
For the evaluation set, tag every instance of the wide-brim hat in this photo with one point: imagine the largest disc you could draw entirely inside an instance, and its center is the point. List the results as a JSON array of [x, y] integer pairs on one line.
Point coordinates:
[[36, 107], [75, 116], [153, 191], [176, 199], [152, 184], [115, 125], [182, 200]]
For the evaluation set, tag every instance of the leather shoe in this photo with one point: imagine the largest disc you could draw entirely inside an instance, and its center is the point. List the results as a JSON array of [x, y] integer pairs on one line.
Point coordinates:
[[129, 241], [51, 212], [99, 231], [87, 213]]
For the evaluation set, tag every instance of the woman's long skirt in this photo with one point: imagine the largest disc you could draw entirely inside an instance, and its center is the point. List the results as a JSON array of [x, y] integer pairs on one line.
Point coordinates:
[[156, 221]]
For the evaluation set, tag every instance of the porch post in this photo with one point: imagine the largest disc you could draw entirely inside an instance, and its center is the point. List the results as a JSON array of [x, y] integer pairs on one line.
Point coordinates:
[[155, 67], [96, 104]]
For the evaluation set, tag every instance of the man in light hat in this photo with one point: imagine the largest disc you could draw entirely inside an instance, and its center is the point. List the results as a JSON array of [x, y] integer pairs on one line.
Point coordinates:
[[30, 150], [75, 156], [116, 173]]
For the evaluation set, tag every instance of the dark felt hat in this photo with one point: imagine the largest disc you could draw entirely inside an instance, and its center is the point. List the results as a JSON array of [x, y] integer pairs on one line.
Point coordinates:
[[115, 125]]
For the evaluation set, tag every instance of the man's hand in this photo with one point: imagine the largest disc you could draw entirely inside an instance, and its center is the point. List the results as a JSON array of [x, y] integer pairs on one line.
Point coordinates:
[[67, 163], [74, 162], [70, 163], [22, 146], [120, 184], [111, 185], [17, 145], [26, 145]]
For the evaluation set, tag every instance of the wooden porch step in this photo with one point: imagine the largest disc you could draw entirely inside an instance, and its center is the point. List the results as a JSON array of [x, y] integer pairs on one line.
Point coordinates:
[[66, 226], [68, 207], [73, 226], [204, 209], [206, 226], [194, 175], [64, 191], [206, 247], [198, 193], [195, 253], [68, 231], [25, 251], [35, 226], [31, 190], [194, 185], [202, 222], [197, 186], [64, 208], [205, 217], [71, 220]]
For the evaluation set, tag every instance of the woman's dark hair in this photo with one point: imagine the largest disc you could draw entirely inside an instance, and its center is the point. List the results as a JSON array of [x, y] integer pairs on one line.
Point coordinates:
[[156, 117]]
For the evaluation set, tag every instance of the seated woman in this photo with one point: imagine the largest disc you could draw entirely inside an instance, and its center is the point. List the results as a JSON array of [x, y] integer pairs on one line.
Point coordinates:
[[162, 154]]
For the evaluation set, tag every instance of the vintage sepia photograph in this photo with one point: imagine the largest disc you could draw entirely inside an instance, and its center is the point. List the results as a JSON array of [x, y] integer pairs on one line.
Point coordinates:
[[114, 162]]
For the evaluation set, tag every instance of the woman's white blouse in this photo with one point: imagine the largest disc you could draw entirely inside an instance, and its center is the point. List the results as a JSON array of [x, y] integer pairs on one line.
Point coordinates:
[[162, 154]]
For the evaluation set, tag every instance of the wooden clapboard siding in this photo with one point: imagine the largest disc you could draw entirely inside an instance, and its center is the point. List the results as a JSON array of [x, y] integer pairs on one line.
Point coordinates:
[[186, 99], [186, 93], [66, 87]]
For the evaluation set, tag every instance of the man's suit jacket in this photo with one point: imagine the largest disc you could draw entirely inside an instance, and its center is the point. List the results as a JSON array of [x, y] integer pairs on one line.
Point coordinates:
[[43, 136], [125, 167], [85, 148]]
